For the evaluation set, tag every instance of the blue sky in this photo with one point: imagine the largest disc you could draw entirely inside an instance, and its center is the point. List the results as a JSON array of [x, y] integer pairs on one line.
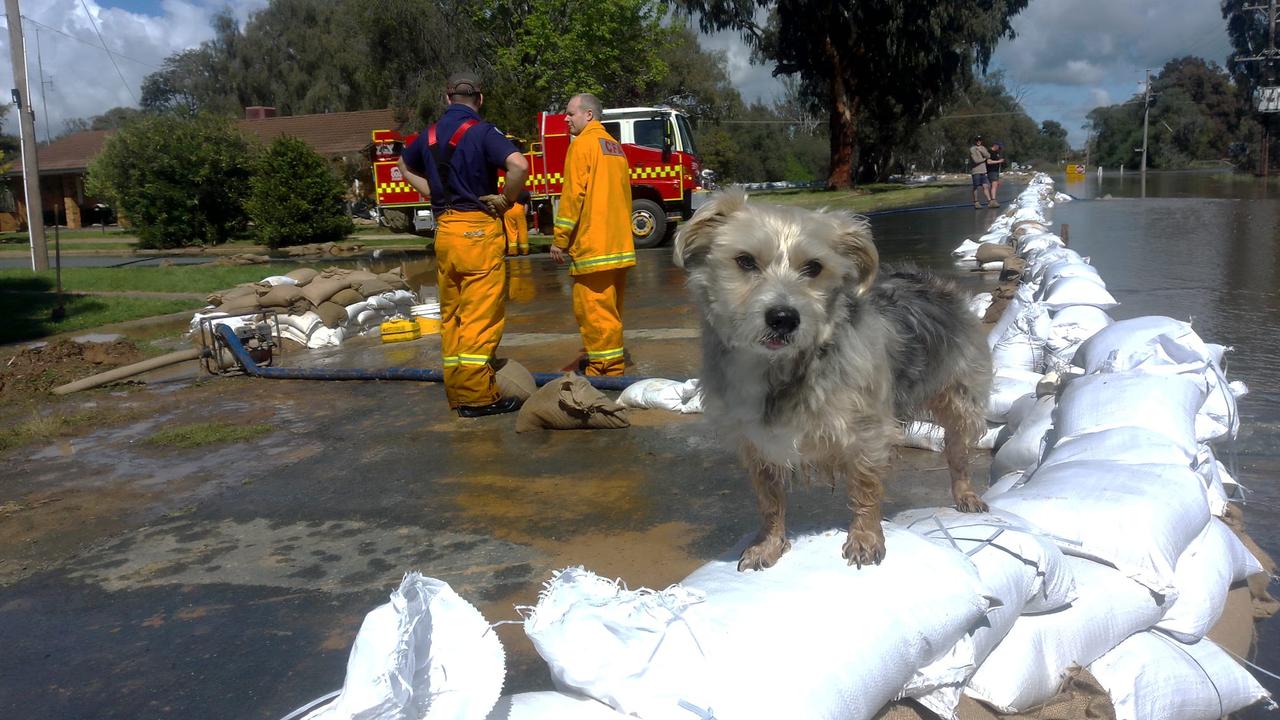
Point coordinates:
[[1069, 56]]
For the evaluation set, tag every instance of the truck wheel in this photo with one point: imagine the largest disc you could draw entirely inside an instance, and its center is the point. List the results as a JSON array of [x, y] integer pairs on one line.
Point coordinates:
[[398, 220], [648, 223]]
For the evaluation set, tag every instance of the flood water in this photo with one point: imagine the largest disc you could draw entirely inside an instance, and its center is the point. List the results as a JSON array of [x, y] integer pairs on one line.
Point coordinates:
[[1203, 247]]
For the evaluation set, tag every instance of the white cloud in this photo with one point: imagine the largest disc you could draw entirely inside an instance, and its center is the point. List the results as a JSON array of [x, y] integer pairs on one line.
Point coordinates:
[[83, 81], [1079, 54]]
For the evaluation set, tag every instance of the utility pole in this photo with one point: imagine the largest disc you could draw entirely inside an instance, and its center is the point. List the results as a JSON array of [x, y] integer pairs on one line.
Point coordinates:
[[1146, 113], [1270, 55], [27, 126]]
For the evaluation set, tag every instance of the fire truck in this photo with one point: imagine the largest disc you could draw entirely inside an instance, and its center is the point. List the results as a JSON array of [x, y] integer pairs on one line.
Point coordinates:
[[668, 181]]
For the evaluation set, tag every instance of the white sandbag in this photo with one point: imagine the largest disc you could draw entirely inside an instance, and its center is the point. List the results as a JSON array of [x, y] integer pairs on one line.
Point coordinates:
[[966, 249], [426, 654], [995, 235], [1138, 518], [662, 394], [378, 302], [1076, 291], [1007, 386], [1154, 343], [1218, 483], [699, 645], [1123, 445], [1070, 327], [925, 435], [1163, 404], [993, 265], [370, 317], [306, 323], [1151, 677], [551, 705], [274, 280], [1038, 242], [1218, 416], [326, 337], [1024, 447], [354, 310], [1062, 198], [1204, 574], [1021, 344], [1024, 570], [979, 303], [1028, 665], [1069, 267], [1028, 213]]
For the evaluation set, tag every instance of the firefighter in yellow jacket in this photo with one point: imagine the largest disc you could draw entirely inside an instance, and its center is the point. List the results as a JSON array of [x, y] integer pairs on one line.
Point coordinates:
[[593, 233]]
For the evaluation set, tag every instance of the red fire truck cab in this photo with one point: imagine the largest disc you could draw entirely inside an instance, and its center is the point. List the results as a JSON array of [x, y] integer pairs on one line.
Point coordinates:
[[668, 181]]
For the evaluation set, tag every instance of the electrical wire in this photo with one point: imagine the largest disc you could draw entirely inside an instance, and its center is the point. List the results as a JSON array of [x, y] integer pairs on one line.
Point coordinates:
[[69, 36], [110, 56]]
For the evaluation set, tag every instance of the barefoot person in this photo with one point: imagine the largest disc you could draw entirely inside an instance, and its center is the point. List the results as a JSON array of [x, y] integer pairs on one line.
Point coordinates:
[[978, 157]]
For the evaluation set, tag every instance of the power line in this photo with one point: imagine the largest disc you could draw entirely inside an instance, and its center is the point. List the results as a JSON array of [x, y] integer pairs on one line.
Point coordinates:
[[86, 42], [94, 23]]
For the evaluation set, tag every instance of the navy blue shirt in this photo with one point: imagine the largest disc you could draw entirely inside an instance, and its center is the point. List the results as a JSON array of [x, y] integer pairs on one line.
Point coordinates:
[[473, 167]]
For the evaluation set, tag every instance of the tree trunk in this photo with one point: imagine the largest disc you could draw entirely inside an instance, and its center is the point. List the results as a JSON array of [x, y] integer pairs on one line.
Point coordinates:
[[841, 126]]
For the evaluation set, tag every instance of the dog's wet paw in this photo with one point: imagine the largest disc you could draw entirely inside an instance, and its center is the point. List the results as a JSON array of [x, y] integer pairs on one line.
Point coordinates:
[[864, 547], [971, 503], [763, 553]]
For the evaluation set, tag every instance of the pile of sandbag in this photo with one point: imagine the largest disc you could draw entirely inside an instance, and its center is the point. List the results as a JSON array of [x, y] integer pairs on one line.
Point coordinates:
[[1096, 585], [317, 308]]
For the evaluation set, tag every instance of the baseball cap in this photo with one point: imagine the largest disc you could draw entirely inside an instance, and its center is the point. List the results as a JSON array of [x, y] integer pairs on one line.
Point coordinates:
[[463, 83]]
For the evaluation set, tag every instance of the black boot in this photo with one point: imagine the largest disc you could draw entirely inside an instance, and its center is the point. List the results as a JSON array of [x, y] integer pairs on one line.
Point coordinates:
[[503, 405]]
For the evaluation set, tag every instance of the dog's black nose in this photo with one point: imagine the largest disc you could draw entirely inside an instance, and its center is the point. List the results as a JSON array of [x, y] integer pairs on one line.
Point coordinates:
[[782, 319]]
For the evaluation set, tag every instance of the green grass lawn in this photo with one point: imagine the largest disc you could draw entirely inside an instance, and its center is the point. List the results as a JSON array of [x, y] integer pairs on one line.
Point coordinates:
[[27, 314], [867, 198], [178, 278], [210, 433]]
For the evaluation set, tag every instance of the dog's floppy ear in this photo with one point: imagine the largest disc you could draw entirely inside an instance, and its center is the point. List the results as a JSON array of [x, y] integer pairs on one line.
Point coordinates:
[[853, 240], [693, 238]]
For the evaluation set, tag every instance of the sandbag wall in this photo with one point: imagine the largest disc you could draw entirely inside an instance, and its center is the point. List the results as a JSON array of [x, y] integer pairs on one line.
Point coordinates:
[[318, 308], [1091, 588]]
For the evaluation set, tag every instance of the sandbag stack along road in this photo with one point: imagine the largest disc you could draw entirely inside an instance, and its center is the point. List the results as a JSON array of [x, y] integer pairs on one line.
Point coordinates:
[[1113, 547]]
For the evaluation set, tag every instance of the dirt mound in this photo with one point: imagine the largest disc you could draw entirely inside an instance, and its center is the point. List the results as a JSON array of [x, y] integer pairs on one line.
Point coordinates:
[[38, 370]]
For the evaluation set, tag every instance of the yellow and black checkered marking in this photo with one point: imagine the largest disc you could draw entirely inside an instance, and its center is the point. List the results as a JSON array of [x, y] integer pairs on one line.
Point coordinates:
[[395, 187], [656, 171]]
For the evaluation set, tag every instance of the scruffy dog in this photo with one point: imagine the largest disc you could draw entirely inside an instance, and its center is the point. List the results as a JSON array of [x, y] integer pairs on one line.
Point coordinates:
[[811, 360]]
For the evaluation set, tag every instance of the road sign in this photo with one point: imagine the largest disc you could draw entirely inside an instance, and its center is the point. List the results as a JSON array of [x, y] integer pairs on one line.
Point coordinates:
[[1075, 169], [1268, 99]]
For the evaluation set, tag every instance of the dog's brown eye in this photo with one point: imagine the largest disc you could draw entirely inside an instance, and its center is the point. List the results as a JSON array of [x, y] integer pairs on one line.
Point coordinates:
[[811, 269], [747, 263]]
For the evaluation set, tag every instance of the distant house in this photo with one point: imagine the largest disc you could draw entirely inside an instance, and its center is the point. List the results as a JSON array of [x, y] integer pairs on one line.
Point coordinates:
[[64, 162]]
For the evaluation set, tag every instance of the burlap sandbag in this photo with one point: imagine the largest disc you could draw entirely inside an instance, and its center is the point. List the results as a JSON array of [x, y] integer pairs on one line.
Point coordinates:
[[347, 296], [1027, 227], [1235, 630], [1264, 605], [373, 286], [394, 279], [1081, 698], [303, 275], [514, 380], [993, 252], [331, 314], [570, 403], [236, 305], [322, 289], [1013, 268], [280, 296], [227, 296]]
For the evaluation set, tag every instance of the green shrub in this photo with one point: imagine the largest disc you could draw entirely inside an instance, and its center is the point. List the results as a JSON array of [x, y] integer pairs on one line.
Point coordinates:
[[179, 181], [295, 198]]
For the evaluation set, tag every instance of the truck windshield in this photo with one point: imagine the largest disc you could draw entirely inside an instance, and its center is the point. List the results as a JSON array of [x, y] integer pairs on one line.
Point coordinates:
[[686, 136]]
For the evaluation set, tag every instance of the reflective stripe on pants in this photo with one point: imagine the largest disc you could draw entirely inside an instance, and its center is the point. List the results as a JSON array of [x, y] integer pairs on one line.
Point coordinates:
[[471, 279], [597, 304]]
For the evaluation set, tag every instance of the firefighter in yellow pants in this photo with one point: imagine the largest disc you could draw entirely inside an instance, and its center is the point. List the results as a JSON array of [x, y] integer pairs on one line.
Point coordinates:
[[471, 280], [517, 227], [593, 233], [455, 162]]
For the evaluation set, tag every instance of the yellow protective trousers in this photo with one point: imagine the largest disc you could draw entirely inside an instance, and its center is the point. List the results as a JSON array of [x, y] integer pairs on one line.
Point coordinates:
[[517, 226], [471, 280], [597, 304]]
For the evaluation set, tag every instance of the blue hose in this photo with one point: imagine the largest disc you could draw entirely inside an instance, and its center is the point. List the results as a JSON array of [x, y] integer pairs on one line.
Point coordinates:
[[416, 374]]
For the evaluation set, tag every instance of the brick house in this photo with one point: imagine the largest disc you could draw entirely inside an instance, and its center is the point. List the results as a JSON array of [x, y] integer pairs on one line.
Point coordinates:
[[342, 137]]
